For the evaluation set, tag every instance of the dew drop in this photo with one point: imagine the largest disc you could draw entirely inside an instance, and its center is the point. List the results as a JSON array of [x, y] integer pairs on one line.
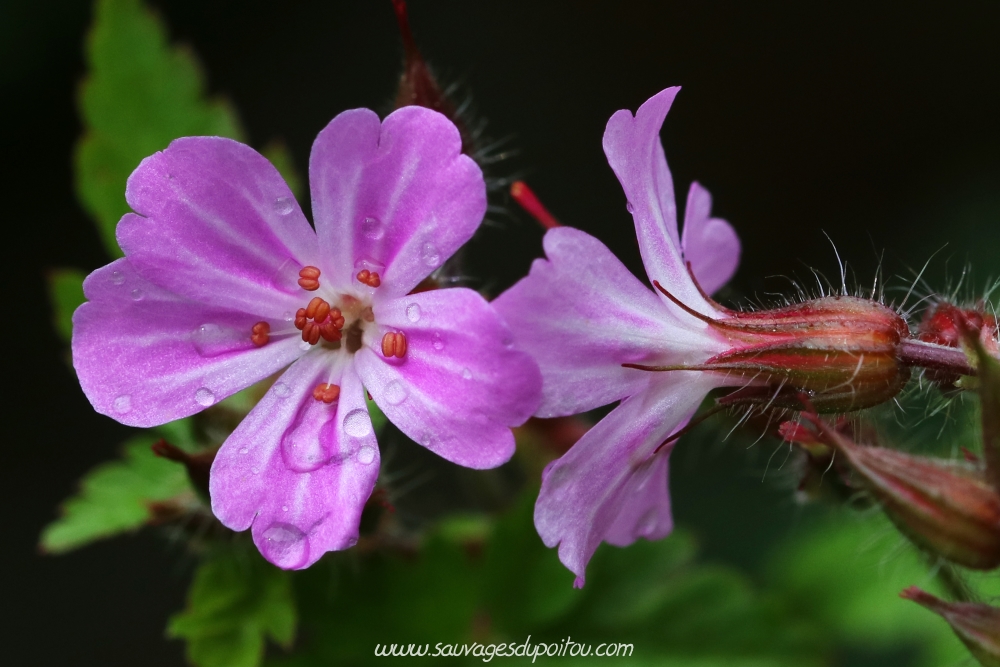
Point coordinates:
[[204, 397], [395, 392], [373, 228], [138, 294], [430, 254], [255, 470], [243, 450], [287, 316], [413, 312], [286, 277], [357, 423], [282, 390], [284, 545], [123, 404], [647, 524], [466, 373], [211, 339], [305, 346], [351, 542], [117, 278], [284, 508], [629, 207], [366, 455], [283, 205], [438, 342], [368, 264]]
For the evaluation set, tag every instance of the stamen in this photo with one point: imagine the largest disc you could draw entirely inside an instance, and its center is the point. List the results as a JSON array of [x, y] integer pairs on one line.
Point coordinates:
[[313, 307], [311, 333], [523, 195], [328, 393], [369, 278], [260, 334], [300, 318], [309, 278], [394, 344]]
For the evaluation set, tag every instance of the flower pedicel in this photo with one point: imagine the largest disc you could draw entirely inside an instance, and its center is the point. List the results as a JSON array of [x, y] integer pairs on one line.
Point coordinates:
[[224, 283]]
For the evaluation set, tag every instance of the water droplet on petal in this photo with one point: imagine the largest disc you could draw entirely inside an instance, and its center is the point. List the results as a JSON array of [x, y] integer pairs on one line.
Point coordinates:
[[284, 545], [357, 423], [117, 278], [647, 524], [351, 542], [372, 228], [287, 316], [395, 392], [413, 312], [438, 342], [123, 404], [286, 277], [255, 470], [138, 294], [304, 346], [366, 455], [283, 205], [431, 255], [281, 390], [629, 207], [211, 339], [204, 397], [243, 450], [466, 373], [284, 508]]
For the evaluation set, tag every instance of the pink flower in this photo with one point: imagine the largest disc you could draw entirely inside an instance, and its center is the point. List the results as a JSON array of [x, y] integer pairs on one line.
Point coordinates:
[[224, 283], [612, 485]]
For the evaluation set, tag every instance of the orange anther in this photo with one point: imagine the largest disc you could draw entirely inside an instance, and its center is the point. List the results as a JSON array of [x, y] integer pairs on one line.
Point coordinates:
[[313, 306], [322, 310], [309, 278], [330, 332], [328, 393], [394, 344], [369, 278], [310, 333], [260, 334]]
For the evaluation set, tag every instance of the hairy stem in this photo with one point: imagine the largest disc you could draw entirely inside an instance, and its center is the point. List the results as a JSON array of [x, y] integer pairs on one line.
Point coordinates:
[[913, 352]]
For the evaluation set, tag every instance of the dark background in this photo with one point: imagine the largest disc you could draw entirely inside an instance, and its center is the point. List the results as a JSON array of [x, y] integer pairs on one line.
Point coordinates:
[[874, 122]]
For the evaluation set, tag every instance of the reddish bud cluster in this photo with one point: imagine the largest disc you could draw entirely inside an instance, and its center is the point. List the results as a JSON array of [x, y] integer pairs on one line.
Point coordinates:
[[318, 320], [309, 278], [328, 393], [260, 334], [394, 344]]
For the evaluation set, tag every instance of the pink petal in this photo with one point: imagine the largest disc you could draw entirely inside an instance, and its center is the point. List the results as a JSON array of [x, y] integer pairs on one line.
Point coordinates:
[[146, 356], [398, 195], [636, 155], [217, 224], [582, 315], [461, 385], [710, 244], [296, 516], [610, 486]]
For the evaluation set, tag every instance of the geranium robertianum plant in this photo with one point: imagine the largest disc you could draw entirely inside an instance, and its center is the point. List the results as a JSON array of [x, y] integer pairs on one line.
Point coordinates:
[[225, 283]]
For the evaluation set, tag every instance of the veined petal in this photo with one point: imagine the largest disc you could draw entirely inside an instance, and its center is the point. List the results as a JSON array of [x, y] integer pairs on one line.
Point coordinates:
[[397, 194], [461, 385], [146, 356], [710, 244], [295, 516], [581, 314], [633, 147], [217, 223], [586, 494]]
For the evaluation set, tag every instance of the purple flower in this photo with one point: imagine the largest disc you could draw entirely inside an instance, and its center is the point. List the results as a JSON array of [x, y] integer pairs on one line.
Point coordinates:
[[582, 315], [224, 283]]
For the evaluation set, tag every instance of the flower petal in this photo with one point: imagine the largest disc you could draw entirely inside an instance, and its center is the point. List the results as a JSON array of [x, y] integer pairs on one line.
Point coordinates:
[[398, 195], [586, 494], [710, 244], [146, 356], [636, 155], [217, 223], [461, 385], [296, 517], [581, 314]]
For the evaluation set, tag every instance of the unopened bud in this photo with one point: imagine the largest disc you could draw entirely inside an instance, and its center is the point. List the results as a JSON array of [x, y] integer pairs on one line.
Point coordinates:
[[950, 326], [945, 507], [977, 625]]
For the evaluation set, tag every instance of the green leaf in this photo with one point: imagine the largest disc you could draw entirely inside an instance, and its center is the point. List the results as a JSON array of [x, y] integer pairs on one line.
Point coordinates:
[[236, 601], [140, 94], [65, 296], [114, 497], [277, 152]]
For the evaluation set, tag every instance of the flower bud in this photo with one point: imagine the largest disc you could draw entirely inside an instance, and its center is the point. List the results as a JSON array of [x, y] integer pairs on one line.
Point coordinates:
[[950, 326], [977, 625], [945, 507], [840, 350]]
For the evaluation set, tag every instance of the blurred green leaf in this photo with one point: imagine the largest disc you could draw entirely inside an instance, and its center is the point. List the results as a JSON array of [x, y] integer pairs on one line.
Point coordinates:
[[114, 497], [277, 152], [140, 94], [236, 601], [65, 296], [846, 575]]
